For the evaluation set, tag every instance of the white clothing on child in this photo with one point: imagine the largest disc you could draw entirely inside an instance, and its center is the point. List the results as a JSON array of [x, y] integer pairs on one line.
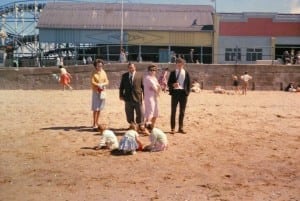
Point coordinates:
[[63, 71], [159, 141], [109, 139], [128, 142]]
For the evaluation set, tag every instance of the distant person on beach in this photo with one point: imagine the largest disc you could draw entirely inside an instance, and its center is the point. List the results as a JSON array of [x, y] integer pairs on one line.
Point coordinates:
[[163, 79], [219, 90], [191, 56], [195, 86], [245, 79], [130, 141], [297, 58], [89, 60], [298, 88], [123, 56], [179, 88], [173, 57], [57, 61], [108, 139], [290, 87], [62, 61], [151, 93], [99, 81], [158, 139], [65, 78], [286, 57], [131, 92], [235, 84]]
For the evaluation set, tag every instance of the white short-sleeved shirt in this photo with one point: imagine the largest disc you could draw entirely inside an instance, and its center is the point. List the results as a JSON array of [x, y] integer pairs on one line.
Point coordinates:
[[246, 77], [158, 135], [110, 139]]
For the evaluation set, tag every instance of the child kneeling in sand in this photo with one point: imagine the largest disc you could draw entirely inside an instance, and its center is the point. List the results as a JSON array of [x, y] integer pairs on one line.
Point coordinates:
[[108, 140], [130, 141], [158, 139]]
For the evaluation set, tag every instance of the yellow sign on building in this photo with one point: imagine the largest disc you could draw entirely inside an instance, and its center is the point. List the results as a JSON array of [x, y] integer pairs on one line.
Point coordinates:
[[170, 38]]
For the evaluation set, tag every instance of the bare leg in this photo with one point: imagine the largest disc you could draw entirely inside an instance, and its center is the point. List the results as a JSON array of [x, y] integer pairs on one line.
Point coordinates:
[[96, 115], [70, 87], [153, 120]]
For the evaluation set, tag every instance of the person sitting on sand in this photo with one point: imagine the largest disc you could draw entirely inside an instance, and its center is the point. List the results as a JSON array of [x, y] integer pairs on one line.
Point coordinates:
[[298, 88], [130, 141], [108, 140], [290, 87], [158, 139], [195, 86], [219, 90]]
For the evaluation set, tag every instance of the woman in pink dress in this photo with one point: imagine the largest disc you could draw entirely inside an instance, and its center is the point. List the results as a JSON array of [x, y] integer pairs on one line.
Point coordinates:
[[151, 92]]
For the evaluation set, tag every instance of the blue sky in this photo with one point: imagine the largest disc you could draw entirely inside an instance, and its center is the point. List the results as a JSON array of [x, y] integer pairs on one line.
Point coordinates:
[[279, 6]]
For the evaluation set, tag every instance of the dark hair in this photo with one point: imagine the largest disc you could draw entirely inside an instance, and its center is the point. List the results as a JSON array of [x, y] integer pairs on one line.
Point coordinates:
[[129, 64], [152, 67], [149, 127], [98, 61], [132, 126], [180, 60]]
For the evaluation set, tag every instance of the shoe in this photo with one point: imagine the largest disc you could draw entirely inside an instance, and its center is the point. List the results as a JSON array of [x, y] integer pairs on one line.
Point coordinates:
[[95, 128], [181, 131], [172, 131]]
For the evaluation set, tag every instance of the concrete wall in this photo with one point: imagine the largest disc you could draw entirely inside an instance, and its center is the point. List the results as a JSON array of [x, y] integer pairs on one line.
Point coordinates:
[[265, 77], [243, 43]]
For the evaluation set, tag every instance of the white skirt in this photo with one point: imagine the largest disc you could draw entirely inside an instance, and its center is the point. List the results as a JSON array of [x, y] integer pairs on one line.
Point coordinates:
[[128, 144]]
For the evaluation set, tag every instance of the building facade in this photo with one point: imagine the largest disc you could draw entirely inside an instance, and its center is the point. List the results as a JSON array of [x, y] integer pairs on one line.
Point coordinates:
[[248, 37], [148, 31]]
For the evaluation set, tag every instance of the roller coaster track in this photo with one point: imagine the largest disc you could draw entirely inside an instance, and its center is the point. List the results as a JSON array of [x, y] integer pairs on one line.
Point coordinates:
[[18, 21], [18, 25]]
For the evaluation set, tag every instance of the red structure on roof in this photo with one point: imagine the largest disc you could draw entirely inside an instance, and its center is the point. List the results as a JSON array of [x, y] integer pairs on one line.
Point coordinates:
[[259, 27]]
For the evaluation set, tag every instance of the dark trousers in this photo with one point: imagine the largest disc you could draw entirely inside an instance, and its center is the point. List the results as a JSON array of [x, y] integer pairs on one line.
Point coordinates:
[[132, 107], [178, 96]]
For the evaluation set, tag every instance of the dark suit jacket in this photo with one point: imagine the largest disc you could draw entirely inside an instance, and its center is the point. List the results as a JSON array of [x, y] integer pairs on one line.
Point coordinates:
[[132, 92], [186, 83]]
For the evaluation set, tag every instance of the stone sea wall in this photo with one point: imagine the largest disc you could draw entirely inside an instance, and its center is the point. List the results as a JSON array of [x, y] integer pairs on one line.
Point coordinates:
[[265, 77]]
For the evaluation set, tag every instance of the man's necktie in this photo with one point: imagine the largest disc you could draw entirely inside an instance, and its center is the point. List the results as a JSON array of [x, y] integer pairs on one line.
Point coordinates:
[[130, 79]]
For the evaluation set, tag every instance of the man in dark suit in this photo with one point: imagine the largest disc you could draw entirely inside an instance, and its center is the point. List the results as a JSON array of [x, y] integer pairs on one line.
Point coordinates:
[[179, 88], [131, 91]]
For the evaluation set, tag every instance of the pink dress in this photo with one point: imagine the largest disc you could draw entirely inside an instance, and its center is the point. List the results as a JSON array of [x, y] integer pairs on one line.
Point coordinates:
[[151, 90]]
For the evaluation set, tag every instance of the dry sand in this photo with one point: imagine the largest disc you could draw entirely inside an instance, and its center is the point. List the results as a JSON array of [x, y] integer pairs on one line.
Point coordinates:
[[237, 148]]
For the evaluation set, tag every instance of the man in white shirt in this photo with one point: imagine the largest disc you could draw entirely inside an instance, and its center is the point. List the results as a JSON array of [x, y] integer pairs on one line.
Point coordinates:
[[245, 78], [179, 88]]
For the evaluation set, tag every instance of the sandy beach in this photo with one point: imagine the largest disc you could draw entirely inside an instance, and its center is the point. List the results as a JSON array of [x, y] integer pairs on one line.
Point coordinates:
[[237, 148]]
